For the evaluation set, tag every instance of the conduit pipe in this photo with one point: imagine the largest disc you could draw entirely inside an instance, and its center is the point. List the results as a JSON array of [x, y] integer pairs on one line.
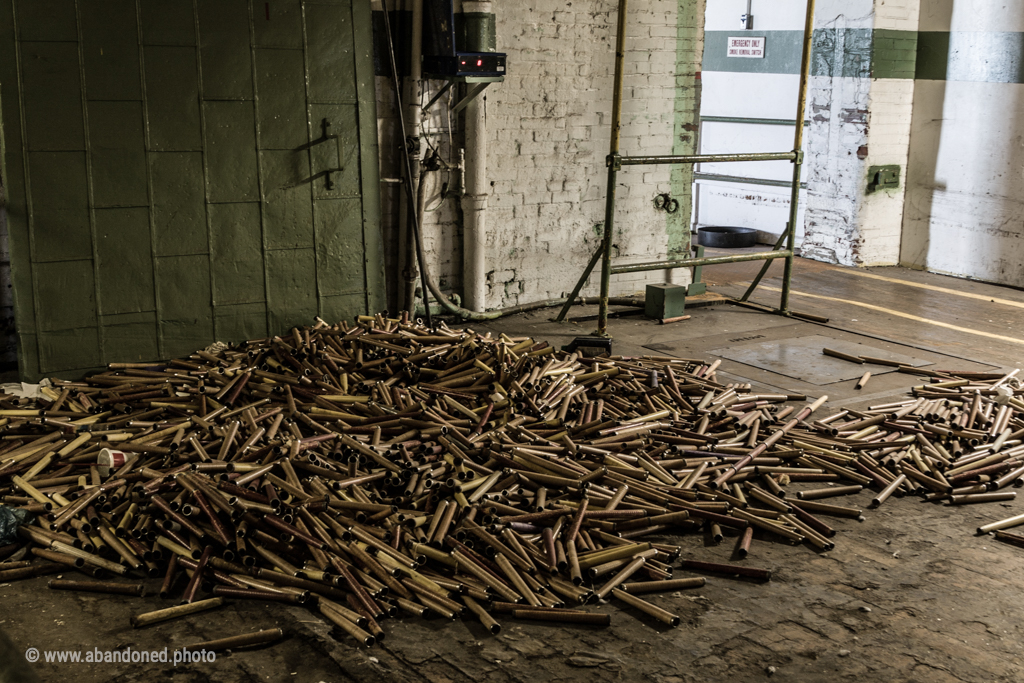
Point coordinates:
[[474, 203], [413, 128], [416, 233]]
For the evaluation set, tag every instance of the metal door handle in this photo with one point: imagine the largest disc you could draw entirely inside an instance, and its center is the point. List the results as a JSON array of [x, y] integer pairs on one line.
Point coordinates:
[[325, 126], [328, 183]]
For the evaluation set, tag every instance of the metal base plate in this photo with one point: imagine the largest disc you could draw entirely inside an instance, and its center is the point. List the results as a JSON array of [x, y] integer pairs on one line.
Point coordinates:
[[801, 358]]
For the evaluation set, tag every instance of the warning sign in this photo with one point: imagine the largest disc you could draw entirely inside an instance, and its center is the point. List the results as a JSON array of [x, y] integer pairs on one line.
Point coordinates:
[[752, 48]]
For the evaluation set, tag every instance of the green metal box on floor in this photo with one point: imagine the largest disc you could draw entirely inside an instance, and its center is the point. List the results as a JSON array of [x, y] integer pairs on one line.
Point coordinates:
[[665, 301]]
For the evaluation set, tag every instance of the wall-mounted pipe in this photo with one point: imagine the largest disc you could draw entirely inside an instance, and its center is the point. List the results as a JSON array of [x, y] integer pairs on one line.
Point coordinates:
[[416, 234], [413, 128], [474, 204]]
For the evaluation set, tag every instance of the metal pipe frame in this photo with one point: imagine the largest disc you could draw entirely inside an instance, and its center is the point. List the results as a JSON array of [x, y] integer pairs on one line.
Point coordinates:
[[745, 180], [749, 120], [706, 261], [615, 159], [615, 162]]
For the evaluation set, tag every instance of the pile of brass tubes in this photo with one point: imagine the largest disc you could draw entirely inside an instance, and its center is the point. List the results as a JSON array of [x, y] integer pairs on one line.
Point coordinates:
[[375, 468]]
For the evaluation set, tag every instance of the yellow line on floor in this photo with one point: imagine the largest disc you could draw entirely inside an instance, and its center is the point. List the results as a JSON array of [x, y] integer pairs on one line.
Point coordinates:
[[966, 330], [934, 288]]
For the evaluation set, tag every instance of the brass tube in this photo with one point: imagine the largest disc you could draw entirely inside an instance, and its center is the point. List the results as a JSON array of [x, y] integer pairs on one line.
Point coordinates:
[[31, 572], [336, 618], [889, 490], [639, 587], [623, 574], [564, 616], [981, 498], [1001, 524], [816, 494], [136, 589], [243, 640], [743, 548], [158, 616], [486, 619], [732, 569], [647, 608]]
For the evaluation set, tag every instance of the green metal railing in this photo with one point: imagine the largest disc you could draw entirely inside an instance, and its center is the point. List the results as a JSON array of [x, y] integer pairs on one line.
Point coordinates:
[[754, 121], [745, 180], [615, 162]]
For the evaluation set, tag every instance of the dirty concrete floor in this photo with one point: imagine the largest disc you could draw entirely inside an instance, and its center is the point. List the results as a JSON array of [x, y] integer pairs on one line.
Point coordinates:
[[908, 594]]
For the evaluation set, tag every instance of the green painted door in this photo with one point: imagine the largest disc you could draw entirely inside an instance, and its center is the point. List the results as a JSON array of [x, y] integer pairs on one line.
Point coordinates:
[[168, 178]]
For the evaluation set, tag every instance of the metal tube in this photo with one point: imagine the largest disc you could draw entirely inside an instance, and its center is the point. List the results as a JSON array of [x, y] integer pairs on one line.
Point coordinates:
[[486, 619], [174, 612], [741, 570], [667, 585], [613, 150], [646, 607], [136, 589], [705, 261], [563, 615], [888, 490], [751, 121], [746, 180], [1001, 524], [798, 140], [474, 274], [255, 638], [579, 284], [701, 158]]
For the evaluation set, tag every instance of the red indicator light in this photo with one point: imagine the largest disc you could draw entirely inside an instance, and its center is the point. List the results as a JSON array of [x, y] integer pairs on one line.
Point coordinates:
[[463, 63], [479, 62]]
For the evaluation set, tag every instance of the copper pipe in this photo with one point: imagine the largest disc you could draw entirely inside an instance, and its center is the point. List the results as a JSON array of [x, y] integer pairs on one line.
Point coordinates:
[[149, 618], [731, 569], [137, 590], [264, 637], [564, 616]]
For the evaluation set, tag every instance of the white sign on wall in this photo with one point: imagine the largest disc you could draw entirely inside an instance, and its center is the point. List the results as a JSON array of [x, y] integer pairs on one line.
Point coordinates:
[[752, 48]]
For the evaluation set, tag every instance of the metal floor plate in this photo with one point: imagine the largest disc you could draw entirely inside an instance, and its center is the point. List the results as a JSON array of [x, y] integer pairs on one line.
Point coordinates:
[[801, 358]]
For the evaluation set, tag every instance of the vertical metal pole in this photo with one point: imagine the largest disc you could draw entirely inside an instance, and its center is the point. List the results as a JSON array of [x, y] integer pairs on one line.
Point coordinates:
[[798, 141], [613, 151]]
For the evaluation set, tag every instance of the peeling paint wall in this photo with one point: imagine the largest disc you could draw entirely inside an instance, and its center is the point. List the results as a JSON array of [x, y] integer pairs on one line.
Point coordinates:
[[548, 129], [964, 211], [858, 113]]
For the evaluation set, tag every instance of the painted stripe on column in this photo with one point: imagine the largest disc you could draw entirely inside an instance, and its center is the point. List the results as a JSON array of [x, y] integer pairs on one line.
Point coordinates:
[[781, 54], [971, 57], [863, 53], [839, 52]]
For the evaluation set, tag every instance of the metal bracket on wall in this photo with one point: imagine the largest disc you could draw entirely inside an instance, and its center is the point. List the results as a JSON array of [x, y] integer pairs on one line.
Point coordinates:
[[478, 85], [325, 135], [325, 126], [328, 183]]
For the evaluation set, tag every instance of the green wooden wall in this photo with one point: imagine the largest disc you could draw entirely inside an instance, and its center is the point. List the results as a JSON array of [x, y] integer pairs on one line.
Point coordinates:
[[157, 157]]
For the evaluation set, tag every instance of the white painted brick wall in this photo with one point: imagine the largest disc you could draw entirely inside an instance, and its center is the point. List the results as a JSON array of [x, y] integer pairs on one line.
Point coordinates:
[[845, 224], [548, 133], [898, 15]]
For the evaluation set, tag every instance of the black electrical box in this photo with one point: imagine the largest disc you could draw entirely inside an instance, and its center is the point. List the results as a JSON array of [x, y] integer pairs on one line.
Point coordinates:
[[465, 64], [442, 55]]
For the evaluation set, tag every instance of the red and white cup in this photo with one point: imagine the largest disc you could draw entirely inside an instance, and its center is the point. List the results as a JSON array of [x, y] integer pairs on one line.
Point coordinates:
[[110, 459]]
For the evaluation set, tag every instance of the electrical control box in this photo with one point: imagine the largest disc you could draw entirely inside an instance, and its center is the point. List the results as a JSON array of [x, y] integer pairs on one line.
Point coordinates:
[[465, 64], [446, 57], [883, 178]]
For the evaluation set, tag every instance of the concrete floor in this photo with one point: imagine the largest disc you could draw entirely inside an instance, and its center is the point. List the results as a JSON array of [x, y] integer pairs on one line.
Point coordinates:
[[909, 594]]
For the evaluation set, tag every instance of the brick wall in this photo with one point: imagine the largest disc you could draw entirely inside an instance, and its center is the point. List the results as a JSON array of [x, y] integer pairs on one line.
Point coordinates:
[[548, 134], [860, 117]]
